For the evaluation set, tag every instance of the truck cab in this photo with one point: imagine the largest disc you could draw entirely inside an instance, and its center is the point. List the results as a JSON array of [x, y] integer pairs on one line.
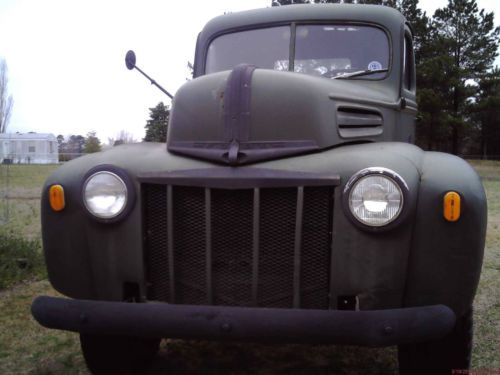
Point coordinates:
[[289, 204], [368, 94]]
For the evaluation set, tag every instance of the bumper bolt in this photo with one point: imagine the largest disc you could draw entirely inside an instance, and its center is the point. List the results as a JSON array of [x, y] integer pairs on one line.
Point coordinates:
[[226, 327], [388, 330], [83, 318]]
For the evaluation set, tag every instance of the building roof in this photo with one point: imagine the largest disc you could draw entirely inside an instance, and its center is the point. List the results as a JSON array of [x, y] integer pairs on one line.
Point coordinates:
[[31, 136]]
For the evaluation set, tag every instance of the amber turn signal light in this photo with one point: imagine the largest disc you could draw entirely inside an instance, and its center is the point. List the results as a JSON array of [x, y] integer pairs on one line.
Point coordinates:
[[56, 198], [452, 203]]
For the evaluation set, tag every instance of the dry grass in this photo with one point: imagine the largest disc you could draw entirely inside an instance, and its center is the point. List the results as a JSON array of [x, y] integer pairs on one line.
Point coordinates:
[[181, 357], [488, 169], [28, 348], [22, 218], [26, 176], [487, 303], [20, 191]]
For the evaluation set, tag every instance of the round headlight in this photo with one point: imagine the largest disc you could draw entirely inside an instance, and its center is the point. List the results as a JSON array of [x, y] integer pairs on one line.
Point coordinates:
[[375, 198], [105, 195]]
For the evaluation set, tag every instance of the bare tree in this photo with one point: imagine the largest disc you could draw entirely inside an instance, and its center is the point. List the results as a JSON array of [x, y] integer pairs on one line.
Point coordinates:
[[6, 100], [122, 137]]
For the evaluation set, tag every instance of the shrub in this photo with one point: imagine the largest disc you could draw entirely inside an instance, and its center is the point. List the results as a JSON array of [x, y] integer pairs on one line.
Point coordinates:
[[20, 259]]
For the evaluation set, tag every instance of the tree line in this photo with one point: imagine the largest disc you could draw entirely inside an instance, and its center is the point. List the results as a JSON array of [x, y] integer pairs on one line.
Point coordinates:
[[74, 146], [458, 91]]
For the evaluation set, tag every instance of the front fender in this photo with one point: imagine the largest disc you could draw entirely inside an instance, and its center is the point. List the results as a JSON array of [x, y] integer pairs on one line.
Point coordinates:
[[446, 257]]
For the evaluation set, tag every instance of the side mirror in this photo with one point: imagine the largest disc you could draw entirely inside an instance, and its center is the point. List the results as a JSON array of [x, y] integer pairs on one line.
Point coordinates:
[[130, 63], [130, 60]]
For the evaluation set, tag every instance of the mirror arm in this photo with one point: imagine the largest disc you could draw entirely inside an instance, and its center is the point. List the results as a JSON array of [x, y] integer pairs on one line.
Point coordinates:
[[153, 82]]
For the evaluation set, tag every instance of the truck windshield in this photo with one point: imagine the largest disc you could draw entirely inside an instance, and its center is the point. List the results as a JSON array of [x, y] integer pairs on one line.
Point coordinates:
[[320, 50]]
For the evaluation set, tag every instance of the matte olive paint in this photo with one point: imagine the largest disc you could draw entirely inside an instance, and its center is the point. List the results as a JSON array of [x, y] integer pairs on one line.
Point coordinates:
[[286, 106], [90, 260], [447, 252], [424, 260]]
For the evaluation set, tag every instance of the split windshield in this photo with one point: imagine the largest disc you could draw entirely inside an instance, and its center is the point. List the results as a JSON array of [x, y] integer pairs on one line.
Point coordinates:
[[320, 50]]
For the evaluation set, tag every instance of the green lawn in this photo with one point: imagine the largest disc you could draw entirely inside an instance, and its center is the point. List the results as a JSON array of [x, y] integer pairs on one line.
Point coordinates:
[[487, 303], [488, 169], [20, 190], [27, 348], [25, 177]]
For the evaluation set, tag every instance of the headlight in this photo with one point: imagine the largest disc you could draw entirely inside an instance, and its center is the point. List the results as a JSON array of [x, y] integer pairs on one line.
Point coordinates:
[[375, 196], [105, 194]]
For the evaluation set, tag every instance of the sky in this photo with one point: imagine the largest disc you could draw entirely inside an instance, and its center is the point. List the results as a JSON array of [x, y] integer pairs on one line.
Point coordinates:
[[66, 58]]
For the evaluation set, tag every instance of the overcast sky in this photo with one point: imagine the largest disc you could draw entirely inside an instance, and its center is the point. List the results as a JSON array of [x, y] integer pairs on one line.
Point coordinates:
[[66, 58]]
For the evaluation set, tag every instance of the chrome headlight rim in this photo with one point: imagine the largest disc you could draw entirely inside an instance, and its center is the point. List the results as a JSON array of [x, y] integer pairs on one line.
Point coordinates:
[[377, 171], [130, 191]]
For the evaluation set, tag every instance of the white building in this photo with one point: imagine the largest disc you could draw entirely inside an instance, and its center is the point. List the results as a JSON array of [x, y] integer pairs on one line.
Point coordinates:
[[28, 148]]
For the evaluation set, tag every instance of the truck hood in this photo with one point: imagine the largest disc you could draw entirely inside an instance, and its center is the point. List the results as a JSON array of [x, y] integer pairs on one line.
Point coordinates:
[[248, 115]]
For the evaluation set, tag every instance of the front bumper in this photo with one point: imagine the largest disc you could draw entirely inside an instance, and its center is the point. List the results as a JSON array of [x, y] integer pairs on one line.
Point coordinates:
[[363, 328]]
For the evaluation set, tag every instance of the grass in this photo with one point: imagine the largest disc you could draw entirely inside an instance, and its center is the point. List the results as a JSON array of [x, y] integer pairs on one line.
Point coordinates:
[[487, 303], [27, 348], [181, 357], [487, 169], [20, 191], [20, 249], [26, 177], [20, 259]]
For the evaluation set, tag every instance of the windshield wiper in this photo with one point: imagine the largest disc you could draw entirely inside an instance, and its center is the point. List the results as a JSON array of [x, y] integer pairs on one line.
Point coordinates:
[[360, 73]]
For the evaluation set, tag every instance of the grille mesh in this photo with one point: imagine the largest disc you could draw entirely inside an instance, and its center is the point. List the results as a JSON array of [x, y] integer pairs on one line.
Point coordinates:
[[277, 247], [316, 238], [232, 246], [155, 230], [189, 249], [231, 237]]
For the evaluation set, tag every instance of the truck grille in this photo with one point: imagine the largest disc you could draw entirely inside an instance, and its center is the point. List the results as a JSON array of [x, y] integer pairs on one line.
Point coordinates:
[[266, 247]]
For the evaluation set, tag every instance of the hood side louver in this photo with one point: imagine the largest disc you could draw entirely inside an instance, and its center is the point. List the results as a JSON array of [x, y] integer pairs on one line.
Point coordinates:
[[359, 122]]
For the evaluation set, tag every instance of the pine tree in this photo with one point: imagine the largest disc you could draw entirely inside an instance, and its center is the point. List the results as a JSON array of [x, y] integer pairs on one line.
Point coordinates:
[[453, 50], [156, 126], [417, 19], [433, 84], [465, 45], [486, 111]]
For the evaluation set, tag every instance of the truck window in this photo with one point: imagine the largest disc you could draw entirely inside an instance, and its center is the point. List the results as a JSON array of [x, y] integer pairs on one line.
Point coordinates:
[[321, 50], [259, 47], [331, 50]]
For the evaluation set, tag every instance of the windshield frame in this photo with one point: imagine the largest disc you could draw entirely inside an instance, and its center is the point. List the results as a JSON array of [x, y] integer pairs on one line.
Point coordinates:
[[293, 26]]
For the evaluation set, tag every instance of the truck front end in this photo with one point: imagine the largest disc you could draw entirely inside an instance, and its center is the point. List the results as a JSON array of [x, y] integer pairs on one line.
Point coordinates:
[[287, 207]]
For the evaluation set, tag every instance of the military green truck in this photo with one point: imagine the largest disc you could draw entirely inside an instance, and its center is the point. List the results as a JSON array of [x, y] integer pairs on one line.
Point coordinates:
[[289, 204]]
